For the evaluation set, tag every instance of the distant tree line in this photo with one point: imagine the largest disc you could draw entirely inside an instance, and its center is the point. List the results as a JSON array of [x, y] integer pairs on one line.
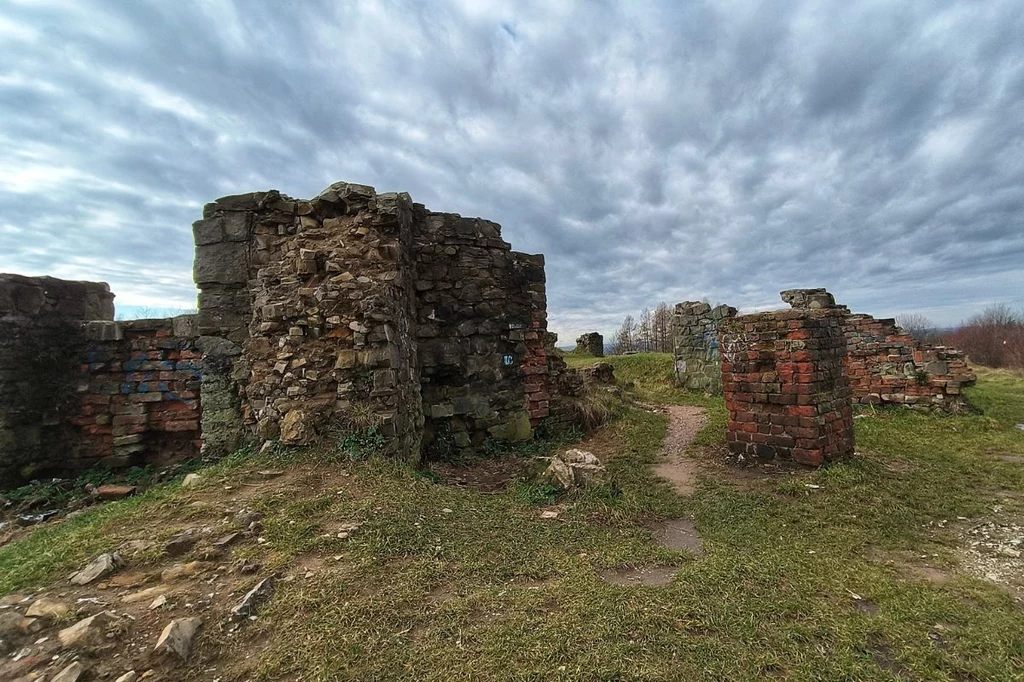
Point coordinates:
[[651, 332]]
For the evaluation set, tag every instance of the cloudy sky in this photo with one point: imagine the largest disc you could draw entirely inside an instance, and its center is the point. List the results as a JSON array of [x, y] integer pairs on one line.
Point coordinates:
[[653, 151]]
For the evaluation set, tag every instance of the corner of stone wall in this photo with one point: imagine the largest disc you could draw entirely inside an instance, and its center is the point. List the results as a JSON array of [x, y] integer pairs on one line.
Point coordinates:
[[223, 263], [475, 322], [329, 336]]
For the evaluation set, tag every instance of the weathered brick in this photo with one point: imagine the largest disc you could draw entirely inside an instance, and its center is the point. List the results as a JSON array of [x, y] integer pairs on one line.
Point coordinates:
[[791, 403]]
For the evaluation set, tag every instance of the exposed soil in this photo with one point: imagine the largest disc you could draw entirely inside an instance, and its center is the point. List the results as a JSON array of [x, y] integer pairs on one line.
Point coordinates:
[[678, 535], [911, 566], [652, 576], [205, 581], [674, 465], [485, 475], [865, 606], [680, 470], [885, 658]]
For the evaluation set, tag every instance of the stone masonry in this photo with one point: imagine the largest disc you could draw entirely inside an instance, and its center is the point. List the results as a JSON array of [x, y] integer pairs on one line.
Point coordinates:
[[694, 332], [41, 343], [785, 387], [350, 312], [358, 308], [592, 344], [319, 298]]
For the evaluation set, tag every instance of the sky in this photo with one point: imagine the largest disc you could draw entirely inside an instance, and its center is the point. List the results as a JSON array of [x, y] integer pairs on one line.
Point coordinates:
[[653, 151]]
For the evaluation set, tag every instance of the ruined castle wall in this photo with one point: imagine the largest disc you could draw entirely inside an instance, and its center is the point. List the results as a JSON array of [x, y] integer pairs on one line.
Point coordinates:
[[785, 388], [138, 395], [40, 345], [79, 390], [591, 343], [324, 291], [357, 303], [695, 338], [352, 311], [477, 331], [886, 365]]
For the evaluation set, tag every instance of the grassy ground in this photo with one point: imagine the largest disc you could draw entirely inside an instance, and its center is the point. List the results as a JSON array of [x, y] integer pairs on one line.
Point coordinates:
[[815, 576]]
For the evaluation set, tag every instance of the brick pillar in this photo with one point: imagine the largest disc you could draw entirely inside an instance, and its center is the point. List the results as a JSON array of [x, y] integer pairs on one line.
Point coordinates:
[[785, 388]]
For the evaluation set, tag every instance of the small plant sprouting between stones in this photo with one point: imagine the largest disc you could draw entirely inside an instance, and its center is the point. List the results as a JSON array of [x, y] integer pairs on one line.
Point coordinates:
[[362, 444], [359, 436]]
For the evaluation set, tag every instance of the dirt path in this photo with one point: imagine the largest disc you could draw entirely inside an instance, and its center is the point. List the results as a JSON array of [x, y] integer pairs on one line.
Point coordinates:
[[673, 464], [681, 471]]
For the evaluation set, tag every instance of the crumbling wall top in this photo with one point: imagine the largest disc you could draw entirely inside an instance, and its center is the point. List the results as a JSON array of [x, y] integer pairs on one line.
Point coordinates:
[[23, 296], [812, 299]]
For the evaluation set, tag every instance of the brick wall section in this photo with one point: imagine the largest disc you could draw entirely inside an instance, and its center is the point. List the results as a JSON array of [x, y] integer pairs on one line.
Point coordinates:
[[785, 388], [694, 330], [538, 363], [886, 365], [565, 388], [40, 344], [138, 390]]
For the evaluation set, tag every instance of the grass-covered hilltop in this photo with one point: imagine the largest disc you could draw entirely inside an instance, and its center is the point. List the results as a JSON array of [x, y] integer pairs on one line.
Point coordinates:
[[903, 562]]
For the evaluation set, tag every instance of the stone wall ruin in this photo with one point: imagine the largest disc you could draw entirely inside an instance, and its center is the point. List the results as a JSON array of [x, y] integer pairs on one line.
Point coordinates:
[[591, 344], [785, 388], [350, 312], [366, 309], [694, 330]]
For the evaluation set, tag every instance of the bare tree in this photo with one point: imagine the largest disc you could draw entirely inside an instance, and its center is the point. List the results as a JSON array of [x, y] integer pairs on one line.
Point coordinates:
[[994, 338], [662, 325], [917, 325], [645, 331], [625, 338]]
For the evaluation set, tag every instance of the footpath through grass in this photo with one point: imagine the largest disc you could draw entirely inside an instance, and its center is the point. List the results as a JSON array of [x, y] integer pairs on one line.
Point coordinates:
[[816, 576]]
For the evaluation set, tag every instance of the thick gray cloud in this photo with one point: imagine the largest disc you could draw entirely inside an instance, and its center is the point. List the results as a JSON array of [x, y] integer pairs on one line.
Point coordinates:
[[653, 151]]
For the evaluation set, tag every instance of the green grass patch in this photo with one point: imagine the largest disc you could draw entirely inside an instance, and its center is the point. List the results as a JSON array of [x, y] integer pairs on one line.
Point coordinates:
[[443, 582]]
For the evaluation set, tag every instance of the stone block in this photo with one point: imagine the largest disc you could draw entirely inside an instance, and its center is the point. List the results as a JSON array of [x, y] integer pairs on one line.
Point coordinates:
[[222, 263]]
